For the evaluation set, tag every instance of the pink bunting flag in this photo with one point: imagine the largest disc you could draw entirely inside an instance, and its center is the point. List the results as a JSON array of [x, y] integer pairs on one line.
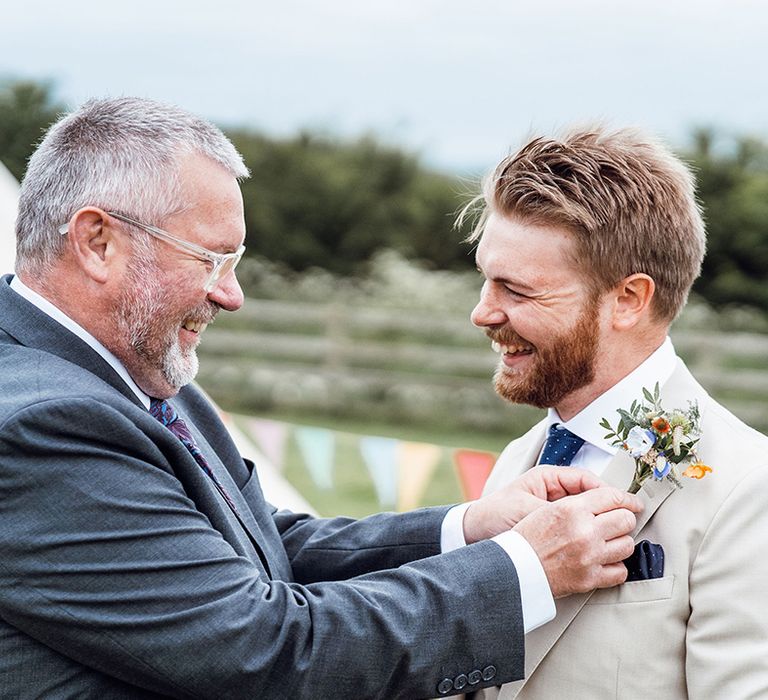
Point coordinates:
[[270, 436], [473, 468]]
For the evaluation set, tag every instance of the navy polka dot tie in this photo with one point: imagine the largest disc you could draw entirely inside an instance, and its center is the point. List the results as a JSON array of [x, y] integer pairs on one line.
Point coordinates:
[[561, 446]]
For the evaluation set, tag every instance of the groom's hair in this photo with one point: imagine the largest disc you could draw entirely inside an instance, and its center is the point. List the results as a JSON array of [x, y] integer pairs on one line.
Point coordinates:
[[628, 201]]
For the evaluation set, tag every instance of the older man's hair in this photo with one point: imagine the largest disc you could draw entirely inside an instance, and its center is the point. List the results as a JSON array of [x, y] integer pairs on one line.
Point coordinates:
[[628, 201], [119, 154]]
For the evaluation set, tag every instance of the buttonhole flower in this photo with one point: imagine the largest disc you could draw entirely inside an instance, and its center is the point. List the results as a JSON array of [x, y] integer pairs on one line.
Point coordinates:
[[661, 442]]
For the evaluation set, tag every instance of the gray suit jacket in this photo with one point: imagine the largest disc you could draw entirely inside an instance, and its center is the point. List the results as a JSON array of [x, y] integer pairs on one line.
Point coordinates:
[[123, 573]]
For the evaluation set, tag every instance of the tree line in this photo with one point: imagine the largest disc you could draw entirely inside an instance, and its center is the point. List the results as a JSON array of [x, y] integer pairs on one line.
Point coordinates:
[[317, 201]]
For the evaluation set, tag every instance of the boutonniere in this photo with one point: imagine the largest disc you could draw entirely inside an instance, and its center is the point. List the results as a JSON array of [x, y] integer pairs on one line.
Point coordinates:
[[661, 442]]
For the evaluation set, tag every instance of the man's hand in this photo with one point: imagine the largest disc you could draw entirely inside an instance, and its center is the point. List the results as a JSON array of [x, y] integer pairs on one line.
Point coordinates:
[[581, 540], [502, 510]]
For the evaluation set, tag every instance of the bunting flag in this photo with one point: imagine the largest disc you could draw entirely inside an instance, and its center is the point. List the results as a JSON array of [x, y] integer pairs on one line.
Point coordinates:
[[380, 456], [473, 468], [270, 436], [417, 462], [317, 449]]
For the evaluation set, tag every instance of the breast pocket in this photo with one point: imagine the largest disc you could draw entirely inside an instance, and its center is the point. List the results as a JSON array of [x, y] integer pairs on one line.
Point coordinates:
[[635, 592]]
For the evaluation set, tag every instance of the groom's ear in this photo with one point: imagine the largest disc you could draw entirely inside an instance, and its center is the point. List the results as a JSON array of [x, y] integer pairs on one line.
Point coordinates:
[[632, 301]]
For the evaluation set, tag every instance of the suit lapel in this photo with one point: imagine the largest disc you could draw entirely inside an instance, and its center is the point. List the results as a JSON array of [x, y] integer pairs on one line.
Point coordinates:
[[680, 389], [33, 328], [517, 458], [243, 519]]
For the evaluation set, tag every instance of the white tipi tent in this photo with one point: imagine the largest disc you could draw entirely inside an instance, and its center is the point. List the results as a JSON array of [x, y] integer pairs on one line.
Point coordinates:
[[9, 202]]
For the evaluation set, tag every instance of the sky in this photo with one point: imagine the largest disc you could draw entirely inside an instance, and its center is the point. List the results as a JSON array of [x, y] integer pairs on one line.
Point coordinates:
[[459, 83]]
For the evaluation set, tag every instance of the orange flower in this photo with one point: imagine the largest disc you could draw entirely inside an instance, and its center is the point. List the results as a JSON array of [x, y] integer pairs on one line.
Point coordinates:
[[661, 425], [697, 470]]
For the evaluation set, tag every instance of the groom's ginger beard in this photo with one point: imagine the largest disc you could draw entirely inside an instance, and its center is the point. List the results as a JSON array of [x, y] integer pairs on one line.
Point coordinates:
[[561, 366]]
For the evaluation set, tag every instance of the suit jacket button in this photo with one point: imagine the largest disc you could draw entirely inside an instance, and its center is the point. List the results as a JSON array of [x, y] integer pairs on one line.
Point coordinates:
[[460, 682], [445, 686], [489, 672], [474, 677]]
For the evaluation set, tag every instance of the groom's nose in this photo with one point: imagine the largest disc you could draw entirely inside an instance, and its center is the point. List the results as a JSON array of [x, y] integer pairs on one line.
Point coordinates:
[[488, 312]]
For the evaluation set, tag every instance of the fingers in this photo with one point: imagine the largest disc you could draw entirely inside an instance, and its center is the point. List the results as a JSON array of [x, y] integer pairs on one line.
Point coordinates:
[[565, 482], [615, 523], [611, 575], [607, 498], [618, 549], [581, 540], [553, 483], [497, 513], [524, 504]]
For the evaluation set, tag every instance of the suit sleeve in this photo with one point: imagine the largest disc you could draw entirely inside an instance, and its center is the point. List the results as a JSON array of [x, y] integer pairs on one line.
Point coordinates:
[[338, 548], [727, 637], [104, 558]]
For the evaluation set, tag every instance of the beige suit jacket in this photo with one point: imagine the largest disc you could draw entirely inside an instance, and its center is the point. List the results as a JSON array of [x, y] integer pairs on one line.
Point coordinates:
[[701, 631]]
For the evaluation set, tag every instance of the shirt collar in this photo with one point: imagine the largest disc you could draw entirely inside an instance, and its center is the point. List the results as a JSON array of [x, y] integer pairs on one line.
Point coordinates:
[[60, 317], [658, 367]]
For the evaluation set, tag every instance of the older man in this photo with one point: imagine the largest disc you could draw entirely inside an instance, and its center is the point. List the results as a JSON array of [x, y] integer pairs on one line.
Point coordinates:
[[137, 555], [589, 245]]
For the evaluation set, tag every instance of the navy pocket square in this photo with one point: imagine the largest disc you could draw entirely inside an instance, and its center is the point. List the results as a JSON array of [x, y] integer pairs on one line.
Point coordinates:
[[647, 561]]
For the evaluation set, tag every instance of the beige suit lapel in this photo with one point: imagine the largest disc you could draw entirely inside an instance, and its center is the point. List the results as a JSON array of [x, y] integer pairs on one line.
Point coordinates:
[[680, 389], [517, 458]]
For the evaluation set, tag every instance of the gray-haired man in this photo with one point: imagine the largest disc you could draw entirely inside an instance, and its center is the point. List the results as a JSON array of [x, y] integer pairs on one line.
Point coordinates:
[[139, 558]]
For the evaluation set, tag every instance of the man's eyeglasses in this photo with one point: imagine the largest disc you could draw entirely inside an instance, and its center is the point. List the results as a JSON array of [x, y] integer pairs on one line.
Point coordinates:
[[221, 263]]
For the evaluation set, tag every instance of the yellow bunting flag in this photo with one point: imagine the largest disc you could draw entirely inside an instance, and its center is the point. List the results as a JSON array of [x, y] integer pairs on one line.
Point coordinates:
[[417, 462], [473, 468]]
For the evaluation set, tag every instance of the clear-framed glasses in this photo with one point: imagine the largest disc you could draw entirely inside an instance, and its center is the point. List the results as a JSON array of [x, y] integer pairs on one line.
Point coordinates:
[[221, 263]]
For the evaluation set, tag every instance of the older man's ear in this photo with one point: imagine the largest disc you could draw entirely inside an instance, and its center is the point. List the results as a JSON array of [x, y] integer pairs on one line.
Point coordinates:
[[92, 243]]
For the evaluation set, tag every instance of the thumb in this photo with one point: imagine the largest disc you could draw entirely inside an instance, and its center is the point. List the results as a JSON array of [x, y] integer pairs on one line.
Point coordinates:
[[605, 498]]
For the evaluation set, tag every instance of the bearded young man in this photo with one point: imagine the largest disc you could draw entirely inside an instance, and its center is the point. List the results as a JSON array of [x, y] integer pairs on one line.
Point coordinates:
[[589, 246], [138, 558]]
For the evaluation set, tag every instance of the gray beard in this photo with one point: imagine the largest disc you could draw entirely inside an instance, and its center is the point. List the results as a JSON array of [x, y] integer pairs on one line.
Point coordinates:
[[179, 368], [136, 315]]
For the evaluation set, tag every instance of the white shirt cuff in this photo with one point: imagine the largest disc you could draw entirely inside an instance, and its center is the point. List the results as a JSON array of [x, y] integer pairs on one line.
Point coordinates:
[[535, 595], [452, 529]]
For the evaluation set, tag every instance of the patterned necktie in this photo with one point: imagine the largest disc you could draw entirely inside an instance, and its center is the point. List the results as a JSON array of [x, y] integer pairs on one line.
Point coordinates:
[[167, 415], [561, 446]]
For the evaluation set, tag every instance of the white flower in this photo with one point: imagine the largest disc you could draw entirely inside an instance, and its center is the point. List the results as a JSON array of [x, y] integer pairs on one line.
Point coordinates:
[[677, 436], [639, 441]]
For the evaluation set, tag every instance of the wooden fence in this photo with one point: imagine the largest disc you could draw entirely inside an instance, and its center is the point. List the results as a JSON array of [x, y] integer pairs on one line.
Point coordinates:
[[415, 367]]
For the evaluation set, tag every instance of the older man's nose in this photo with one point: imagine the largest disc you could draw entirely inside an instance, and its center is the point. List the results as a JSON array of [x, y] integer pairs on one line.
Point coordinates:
[[227, 293]]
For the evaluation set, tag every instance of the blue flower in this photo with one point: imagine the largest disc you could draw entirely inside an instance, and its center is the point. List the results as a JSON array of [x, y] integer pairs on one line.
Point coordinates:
[[661, 468]]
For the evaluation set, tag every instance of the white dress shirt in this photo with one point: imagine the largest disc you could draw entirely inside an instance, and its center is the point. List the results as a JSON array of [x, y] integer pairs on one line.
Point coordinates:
[[596, 452], [531, 575]]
